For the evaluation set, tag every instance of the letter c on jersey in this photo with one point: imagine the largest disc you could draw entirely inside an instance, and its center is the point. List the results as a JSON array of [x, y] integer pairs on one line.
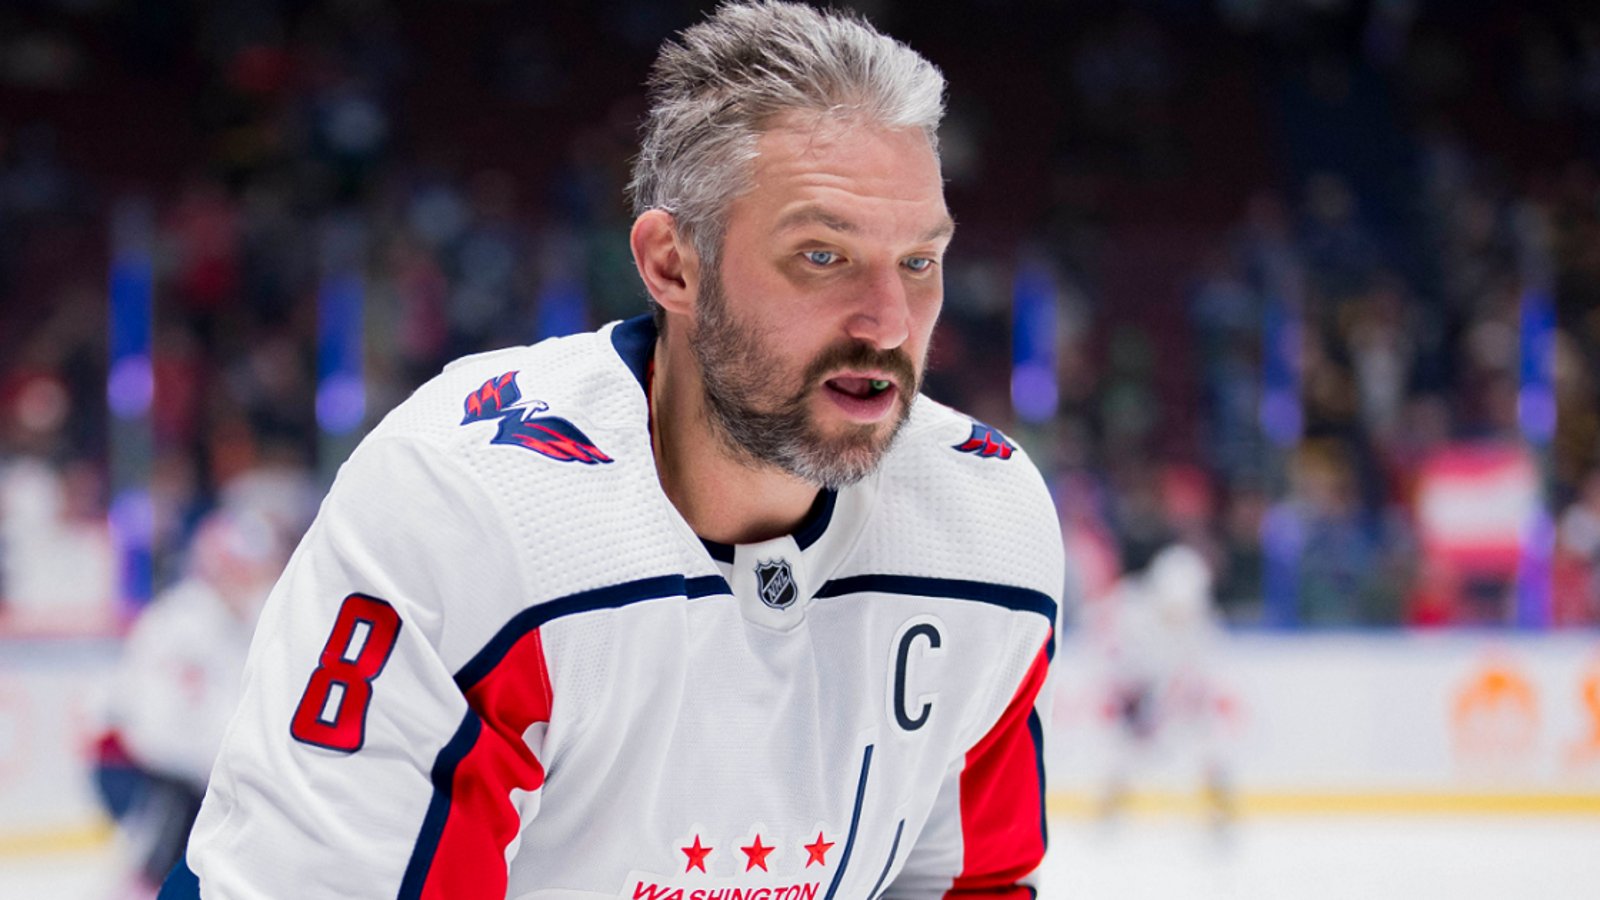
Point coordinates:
[[922, 632]]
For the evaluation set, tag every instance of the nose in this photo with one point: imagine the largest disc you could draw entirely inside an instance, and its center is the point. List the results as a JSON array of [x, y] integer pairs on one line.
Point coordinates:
[[882, 313]]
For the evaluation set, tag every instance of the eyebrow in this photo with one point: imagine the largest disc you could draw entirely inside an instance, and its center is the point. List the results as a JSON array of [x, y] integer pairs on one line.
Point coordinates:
[[815, 215], [944, 229]]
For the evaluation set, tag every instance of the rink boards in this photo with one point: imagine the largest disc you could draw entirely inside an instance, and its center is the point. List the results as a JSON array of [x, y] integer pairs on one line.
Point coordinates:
[[52, 699], [1363, 723], [1359, 722]]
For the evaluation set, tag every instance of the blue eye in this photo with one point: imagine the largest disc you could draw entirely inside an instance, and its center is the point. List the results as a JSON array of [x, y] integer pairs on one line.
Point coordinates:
[[919, 263], [821, 257]]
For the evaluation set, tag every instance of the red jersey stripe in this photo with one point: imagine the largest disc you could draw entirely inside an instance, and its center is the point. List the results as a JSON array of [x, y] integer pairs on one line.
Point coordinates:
[[470, 860], [1002, 798]]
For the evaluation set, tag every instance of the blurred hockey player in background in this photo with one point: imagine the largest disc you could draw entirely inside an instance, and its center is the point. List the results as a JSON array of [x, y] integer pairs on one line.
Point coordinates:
[[1158, 639], [178, 684]]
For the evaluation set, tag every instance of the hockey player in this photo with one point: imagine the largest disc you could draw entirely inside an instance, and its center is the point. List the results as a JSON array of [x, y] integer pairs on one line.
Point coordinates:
[[706, 604], [1157, 639], [178, 684]]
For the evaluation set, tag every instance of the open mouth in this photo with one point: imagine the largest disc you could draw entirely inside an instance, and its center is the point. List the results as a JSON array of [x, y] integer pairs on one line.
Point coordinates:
[[859, 388], [863, 400]]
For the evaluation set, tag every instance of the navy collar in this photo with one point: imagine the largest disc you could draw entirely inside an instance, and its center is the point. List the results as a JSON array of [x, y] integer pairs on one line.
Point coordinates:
[[635, 342], [812, 527]]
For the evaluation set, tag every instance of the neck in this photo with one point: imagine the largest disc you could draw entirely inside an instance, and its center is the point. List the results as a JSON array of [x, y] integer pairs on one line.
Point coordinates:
[[722, 497]]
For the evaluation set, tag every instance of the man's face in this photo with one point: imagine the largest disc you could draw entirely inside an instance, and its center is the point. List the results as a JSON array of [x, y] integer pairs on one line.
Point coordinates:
[[812, 333]]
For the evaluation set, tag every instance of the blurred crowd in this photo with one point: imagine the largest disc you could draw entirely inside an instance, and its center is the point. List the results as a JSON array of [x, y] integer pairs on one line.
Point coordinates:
[[1319, 268]]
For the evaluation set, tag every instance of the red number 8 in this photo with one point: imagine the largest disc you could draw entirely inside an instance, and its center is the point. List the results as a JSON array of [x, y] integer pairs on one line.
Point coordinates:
[[344, 726]]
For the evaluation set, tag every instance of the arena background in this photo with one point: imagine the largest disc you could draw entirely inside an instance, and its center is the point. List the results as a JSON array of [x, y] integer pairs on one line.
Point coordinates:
[[1312, 286]]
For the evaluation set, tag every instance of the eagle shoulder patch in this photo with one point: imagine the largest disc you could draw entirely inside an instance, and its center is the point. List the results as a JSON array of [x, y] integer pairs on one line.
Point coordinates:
[[549, 436]]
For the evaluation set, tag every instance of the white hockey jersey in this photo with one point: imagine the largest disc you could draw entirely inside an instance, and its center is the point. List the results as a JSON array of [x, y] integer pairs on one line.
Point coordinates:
[[177, 685], [502, 665]]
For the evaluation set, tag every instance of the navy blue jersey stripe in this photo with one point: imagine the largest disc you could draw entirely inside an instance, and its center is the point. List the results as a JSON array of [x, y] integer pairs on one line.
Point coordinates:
[[609, 597], [817, 519], [706, 586], [181, 883], [810, 530], [889, 863], [722, 553], [1036, 731], [635, 341], [1021, 599], [855, 822], [444, 774]]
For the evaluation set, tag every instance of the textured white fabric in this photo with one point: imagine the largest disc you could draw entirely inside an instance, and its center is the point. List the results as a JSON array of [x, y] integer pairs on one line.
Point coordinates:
[[707, 718]]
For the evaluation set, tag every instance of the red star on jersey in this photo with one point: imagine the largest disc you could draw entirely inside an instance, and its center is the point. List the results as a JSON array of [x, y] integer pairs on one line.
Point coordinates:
[[757, 854], [818, 851], [697, 855]]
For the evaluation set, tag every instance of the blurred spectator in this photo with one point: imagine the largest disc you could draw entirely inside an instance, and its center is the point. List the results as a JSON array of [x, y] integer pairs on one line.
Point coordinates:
[[1324, 560], [1353, 279], [1227, 314], [1240, 591], [1576, 577]]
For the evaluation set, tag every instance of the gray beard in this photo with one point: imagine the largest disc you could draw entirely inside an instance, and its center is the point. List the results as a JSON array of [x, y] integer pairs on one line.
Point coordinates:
[[761, 431]]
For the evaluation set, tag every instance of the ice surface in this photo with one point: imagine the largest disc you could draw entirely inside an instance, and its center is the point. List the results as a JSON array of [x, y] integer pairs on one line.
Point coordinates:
[[1313, 858]]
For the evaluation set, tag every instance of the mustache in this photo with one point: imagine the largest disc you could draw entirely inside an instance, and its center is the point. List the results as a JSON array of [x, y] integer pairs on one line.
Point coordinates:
[[855, 355]]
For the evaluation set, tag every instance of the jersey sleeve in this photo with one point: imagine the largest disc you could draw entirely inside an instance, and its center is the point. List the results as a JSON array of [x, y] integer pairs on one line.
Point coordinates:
[[356, 766], [986, 834]]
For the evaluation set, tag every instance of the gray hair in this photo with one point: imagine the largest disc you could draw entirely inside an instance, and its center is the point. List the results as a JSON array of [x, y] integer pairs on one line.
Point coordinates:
[[715, 89]]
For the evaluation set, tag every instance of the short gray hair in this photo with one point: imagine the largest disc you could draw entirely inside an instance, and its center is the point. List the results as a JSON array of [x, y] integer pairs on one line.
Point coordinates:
[[721, 83]]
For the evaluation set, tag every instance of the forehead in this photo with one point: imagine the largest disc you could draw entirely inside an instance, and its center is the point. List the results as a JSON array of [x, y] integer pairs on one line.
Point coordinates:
[[845, 176]]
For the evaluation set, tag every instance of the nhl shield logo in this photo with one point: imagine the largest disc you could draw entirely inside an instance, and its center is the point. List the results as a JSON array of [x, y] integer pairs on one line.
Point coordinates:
[[775, 583]]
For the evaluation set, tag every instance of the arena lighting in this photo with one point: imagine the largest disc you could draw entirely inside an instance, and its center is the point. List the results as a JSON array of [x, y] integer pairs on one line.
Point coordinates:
[[563, 308], [563, 303], [341, 383], [1536, 396], [130, 391], [130, 381], [1536, 411], [1034, 392], [1281, 415], [1536, 419], [341, 388], [1282, 420]]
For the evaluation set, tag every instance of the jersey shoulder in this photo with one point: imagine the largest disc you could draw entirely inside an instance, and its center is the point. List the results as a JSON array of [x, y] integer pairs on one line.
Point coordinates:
[[562, 400], [526, 469], [961, 499]]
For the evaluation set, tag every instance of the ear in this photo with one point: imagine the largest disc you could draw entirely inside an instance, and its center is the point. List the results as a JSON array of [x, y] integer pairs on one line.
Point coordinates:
[[666, 261]]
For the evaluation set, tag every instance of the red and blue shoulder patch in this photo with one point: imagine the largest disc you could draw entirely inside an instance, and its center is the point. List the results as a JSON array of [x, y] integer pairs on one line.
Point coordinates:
[[520, 426], [987, 442]]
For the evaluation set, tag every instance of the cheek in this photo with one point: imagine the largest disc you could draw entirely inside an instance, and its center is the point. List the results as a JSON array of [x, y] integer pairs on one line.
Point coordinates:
[[925, 308]]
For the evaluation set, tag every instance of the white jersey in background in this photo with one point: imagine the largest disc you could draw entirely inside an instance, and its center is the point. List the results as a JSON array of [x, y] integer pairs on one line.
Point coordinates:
[[178, 682], [502, 665], [1157, 636]]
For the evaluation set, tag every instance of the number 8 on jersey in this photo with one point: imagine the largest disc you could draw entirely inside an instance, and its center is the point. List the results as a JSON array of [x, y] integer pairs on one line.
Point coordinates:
[[333, 710]]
